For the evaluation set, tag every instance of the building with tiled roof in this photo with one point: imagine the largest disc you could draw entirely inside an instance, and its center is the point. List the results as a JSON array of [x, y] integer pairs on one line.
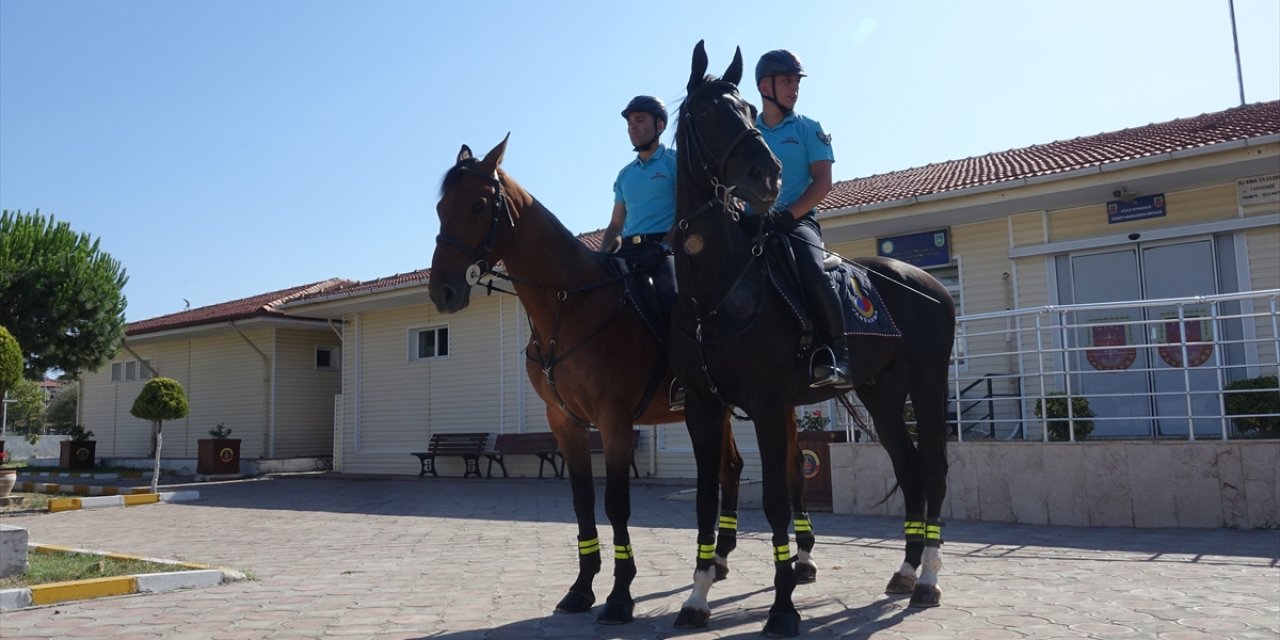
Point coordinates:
[[1025, 228], [269, 377]]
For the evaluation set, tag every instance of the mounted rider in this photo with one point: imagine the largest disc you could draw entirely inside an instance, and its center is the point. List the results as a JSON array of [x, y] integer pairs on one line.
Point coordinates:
[[804, 150], [644, 207]]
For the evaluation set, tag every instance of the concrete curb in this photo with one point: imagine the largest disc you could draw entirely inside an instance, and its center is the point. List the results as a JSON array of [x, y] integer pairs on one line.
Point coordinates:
[[52, 593], [71, 504], [78, 489], [78, 474]]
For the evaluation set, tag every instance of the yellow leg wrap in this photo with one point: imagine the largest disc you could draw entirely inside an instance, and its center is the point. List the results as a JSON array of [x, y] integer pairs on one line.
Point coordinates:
[[729, 522], [623, 552], [706, 551], [803, 524], [782, 553], [588, 547], [914, 529]]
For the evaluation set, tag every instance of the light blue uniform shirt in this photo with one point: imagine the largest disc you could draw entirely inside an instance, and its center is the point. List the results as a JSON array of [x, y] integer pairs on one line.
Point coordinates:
[[648, 189], [797, 141]]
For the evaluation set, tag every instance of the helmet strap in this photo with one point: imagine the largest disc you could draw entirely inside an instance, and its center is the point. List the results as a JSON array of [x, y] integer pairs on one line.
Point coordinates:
[[773, 84]]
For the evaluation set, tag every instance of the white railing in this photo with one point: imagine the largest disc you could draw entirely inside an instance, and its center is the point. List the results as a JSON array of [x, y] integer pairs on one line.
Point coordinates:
[[1152, 369]]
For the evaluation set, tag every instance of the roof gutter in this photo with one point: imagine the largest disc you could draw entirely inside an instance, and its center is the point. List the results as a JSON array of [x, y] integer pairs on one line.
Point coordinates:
[[1099, 169]]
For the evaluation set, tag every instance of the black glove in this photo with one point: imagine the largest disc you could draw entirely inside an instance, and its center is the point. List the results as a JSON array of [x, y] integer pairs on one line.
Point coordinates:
[[782, 221]]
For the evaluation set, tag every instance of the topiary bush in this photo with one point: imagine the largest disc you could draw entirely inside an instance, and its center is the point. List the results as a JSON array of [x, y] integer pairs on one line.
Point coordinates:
[[1265, 400], [1058, 424], [11, 362], [161, 399]]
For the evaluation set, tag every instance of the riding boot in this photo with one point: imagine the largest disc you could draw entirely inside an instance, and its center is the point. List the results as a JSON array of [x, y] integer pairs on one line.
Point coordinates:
[[827, 311]]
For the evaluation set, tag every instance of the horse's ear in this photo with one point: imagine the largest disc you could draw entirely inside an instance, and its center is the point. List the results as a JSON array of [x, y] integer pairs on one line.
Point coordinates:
[[464, 154], [733, 75], [699, 67], [493, 159]]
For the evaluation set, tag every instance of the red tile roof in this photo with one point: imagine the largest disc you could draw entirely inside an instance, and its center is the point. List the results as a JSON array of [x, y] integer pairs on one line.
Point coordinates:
[[1249, 121], [263, 304]]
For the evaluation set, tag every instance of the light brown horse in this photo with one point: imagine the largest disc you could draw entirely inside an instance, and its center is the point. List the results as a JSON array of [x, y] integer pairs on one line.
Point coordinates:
[[591, 357]]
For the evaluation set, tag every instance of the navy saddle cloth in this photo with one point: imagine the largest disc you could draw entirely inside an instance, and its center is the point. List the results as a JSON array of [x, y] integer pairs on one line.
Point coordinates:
[[864, 311]]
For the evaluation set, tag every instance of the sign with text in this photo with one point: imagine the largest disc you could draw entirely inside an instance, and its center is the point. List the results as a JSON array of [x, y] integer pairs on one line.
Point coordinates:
[[927, 249], [1140, 208], [1258, 190]]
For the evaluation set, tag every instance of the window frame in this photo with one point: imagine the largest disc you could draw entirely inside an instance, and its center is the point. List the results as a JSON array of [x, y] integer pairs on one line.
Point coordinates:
[[414, 340]]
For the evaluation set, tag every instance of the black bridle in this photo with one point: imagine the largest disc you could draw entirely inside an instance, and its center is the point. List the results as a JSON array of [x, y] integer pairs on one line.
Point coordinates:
[[712, 166], [479, 254]]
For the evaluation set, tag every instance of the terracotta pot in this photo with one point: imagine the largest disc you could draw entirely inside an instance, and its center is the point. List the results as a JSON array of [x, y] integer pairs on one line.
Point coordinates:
[[8, 478]]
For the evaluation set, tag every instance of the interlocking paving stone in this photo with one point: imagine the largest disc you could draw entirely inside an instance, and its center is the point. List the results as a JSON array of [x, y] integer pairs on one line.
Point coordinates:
[[457, 559]]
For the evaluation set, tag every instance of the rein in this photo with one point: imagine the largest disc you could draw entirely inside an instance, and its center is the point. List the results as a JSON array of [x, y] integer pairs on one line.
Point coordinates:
[[482, 266]]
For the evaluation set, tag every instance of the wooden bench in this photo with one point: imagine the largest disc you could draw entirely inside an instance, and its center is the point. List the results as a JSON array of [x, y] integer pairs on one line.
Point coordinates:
[[595, 443], [542, 445], [468, 446]]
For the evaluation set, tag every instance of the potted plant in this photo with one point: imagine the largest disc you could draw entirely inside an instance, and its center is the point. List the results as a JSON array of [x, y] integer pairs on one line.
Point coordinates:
[[814, 443], [80, 451], [8, 475], [1054, 408], [1255, 397], [219, 454]]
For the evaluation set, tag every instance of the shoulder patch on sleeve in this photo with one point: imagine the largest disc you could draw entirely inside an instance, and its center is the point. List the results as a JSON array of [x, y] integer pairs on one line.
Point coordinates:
[[824, 137]]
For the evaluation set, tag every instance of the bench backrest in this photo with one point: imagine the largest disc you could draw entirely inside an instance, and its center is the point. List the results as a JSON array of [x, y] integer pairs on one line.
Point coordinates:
[[525, 442], [457, 442]]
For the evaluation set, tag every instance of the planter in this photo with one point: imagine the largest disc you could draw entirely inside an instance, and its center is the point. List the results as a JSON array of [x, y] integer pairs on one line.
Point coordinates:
[[8, 478], [218, 456], [815, 454], [77, 455]]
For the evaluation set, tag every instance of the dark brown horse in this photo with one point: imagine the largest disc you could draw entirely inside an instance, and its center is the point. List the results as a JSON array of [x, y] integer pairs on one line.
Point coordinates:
[[591, 357], [734, 344]]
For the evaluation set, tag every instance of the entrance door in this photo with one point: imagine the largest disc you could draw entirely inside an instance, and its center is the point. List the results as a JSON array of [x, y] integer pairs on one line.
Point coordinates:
[[1130, 360], [1177, 271]]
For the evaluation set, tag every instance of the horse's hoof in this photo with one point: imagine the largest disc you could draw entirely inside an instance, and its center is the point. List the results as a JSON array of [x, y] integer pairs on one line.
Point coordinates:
[[574, 602], [806, 573], [782, 625], [900, 585], [691, 618], [722, 572], [617, 611], [925, 596]]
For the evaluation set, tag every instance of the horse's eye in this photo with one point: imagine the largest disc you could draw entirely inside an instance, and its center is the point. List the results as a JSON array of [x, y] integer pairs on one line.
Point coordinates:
[[477, 207]]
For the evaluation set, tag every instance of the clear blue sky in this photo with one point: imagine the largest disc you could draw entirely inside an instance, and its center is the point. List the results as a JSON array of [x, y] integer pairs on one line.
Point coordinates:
[[225, 149]]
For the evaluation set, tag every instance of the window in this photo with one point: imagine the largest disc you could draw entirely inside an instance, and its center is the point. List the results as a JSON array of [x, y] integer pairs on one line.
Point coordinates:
[[427, 343], [326, 358], [131, 370]]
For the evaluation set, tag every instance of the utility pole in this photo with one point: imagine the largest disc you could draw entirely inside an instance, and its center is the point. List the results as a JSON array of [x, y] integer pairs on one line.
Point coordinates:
[[1235, 39]]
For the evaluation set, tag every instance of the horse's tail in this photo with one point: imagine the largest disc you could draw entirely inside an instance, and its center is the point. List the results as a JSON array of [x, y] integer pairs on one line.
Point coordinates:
[[846, 401]]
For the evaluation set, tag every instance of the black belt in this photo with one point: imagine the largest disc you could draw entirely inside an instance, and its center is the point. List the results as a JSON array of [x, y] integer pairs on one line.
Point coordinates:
[[643, 238]]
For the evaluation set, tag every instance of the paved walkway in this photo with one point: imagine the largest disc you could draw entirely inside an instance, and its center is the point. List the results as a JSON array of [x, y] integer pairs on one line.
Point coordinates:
[[453, 559]]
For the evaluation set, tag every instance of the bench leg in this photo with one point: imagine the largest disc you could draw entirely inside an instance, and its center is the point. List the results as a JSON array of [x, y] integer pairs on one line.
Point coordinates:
[[473, 467], [498, 459], [428, 466]]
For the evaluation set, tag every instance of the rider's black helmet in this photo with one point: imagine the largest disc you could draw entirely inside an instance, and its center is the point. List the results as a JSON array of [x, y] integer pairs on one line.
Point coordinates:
[[778, 62], [648, 104]]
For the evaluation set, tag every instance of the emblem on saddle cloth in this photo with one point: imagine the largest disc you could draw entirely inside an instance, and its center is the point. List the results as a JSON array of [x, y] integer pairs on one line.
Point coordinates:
[[864, 310]]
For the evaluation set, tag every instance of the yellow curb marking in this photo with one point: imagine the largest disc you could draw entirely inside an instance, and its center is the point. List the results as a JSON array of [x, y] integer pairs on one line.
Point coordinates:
[[63, 504], [82, 589], [145, 498]]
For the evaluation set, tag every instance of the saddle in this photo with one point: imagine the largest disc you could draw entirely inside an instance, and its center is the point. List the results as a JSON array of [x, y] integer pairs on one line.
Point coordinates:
[[643, 296], [865, 314]]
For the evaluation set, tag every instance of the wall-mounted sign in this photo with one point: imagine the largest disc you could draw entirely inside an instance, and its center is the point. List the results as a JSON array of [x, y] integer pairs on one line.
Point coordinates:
[[1140, 208], [928, 249], [1258, 190]]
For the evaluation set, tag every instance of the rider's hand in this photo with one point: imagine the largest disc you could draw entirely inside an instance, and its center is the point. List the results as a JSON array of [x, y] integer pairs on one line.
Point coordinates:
[[781, 221], [612, 246]]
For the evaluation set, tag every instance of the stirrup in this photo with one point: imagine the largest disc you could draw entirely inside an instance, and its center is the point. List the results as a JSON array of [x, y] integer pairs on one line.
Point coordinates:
[[827, 374], [675, 397]]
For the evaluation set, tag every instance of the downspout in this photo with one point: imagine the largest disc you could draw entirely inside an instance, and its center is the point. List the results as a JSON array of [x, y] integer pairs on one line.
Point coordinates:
[[339, 408], [269, 427]]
